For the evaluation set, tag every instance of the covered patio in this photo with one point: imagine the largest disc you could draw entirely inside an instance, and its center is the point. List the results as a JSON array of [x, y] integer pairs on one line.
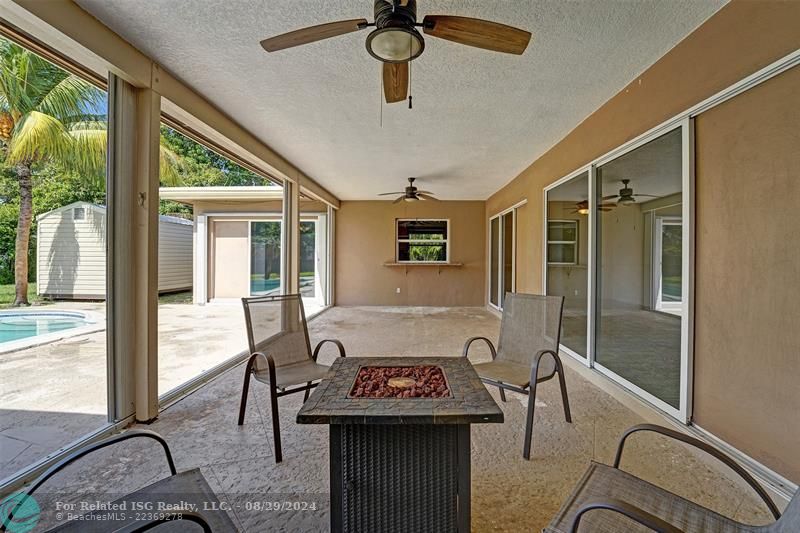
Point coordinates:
[[510, 494], [434, 282]]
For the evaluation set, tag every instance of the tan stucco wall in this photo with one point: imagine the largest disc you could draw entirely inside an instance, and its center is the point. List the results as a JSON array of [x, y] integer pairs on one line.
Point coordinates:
[[746, 345], [747, 340], [741, 38], [365, 239]]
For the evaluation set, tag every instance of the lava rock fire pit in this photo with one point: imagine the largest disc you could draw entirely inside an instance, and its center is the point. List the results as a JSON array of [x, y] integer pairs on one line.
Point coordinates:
[[423, 381], [400, 461]]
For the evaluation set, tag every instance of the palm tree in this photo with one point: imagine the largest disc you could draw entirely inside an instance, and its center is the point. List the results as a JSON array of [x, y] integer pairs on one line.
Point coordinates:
[[48, 115]]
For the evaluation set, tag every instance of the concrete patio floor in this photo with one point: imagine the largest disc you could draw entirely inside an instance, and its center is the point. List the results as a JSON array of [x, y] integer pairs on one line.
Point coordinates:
[[508, 493]]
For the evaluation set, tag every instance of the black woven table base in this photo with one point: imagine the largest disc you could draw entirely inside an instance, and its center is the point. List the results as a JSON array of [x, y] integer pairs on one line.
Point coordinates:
[[399, 478]]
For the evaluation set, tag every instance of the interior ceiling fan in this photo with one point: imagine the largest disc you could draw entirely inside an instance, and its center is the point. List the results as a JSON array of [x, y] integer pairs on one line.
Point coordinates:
[[411, 194], [626, 196], [396, 41]]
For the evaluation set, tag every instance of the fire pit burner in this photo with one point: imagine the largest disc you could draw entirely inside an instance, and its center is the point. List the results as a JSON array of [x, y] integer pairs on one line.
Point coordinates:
[[425, 381]]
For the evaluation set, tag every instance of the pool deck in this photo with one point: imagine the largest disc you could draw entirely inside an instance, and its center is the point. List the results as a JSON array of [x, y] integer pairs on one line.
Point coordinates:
[[52, 394]]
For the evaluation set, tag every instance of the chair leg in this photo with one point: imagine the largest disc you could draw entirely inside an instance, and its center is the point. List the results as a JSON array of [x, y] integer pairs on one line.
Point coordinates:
[[276, 423], [245, 388], [526, 447], [308, 391], [563, 384], [502, 393]]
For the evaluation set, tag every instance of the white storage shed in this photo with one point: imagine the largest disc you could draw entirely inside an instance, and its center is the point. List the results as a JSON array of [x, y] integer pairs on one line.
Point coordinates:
[[71, 253]]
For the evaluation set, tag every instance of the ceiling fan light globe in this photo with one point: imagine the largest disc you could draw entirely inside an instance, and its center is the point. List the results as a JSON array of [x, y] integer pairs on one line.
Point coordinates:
[[395, 44], [583, 211], [627, 200], [411, 198]]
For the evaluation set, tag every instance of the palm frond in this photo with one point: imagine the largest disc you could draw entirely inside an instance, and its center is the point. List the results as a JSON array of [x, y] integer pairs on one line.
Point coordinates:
[[38, 136], [87, 154], [170, 166], [69, 99]]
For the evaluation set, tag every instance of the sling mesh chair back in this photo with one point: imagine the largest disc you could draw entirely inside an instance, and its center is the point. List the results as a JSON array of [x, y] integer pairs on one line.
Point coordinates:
[[280, 352], [527, 352]]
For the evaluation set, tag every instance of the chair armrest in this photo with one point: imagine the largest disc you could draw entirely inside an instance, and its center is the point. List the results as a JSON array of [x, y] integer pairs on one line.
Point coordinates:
[[535, 363], [342, 352], [469, 342], [686, 439], [631, 511], [270, 364], [71, 458], [172, 516]]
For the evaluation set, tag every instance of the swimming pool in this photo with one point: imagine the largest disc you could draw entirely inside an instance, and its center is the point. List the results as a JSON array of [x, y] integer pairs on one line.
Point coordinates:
[[19, 325]]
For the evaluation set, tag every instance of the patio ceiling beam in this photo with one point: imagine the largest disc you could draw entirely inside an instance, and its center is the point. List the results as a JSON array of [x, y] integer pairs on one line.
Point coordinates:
[[75, 32]]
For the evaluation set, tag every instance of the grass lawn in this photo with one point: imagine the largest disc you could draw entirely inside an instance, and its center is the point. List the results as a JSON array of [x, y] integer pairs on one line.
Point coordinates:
[[176, 298], [7, 295]]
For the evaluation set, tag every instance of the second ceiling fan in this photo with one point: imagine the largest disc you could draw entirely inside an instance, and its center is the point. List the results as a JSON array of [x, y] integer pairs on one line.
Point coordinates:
[[396, 40]]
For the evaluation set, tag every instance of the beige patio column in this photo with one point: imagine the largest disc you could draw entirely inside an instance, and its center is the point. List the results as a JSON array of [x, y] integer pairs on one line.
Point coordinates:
[[133, 164], [290, 239]]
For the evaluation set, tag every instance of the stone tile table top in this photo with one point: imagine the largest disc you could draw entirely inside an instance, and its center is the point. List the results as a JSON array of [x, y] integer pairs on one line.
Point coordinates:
[[469, 401]]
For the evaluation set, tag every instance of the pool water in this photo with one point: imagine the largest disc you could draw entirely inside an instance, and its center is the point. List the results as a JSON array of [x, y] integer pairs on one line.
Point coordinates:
[[22, 325]]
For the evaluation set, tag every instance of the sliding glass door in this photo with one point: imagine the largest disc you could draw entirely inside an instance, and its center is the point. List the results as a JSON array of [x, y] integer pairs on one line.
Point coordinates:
[[265, 257], [635, 340], [567, 257], [502, 254], [617, 246]]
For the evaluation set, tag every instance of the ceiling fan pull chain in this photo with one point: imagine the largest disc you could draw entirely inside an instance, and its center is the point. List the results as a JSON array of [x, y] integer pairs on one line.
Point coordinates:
[[410, 46]]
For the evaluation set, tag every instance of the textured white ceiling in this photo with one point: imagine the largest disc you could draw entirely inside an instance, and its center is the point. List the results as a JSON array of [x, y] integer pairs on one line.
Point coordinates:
[[479, 117]]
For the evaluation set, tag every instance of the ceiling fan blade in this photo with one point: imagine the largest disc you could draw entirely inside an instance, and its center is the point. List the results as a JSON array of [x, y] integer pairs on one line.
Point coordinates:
[[648, 195], [399, 199], [425, 192], [476, 32], [395, 82], [609, 197], [312, 34], [424, 196], [391, 193]]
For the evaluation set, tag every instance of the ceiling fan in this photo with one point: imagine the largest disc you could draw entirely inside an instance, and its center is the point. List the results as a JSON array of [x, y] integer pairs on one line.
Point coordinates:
[[411, 194], [582, 208], [396, 41], [626, 196]]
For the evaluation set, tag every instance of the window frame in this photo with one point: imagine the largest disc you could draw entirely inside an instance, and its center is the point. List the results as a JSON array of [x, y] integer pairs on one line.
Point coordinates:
[[398, 240], [574, 243]]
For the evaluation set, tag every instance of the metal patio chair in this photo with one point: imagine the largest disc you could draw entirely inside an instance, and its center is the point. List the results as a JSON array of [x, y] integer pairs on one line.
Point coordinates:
[[527, 352], [179, 490], [608, 499], [280, 353]]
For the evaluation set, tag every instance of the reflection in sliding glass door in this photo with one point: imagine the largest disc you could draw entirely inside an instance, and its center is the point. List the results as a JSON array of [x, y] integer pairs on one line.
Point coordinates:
[[567, 260], [633, 340]]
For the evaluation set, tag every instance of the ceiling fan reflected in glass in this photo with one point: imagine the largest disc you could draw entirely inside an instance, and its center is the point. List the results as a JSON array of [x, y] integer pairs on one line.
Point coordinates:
[[582, 208], [396, 41], [626, 196], [411, 194]]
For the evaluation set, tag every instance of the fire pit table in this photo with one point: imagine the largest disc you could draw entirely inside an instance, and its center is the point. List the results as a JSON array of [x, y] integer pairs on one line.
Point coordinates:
[[400, 441]]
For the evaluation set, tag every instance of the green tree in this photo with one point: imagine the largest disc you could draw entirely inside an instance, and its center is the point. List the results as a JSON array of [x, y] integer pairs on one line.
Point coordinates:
[[202, 167], [48, 116]]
